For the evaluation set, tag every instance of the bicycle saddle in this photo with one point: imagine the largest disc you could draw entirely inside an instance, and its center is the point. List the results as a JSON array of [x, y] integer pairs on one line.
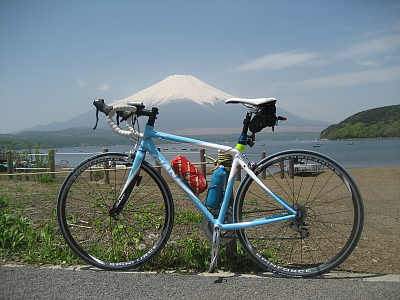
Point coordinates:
[[255, 102]]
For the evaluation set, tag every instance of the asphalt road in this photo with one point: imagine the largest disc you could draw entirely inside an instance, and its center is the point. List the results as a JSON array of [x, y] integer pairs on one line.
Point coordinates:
[[18, 282]]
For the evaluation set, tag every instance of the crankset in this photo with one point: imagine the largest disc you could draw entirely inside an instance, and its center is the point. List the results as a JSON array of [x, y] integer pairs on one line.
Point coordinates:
[[224, 236]]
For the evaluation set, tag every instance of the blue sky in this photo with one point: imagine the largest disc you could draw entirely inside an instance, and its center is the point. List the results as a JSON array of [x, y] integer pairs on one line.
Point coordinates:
[[321, 59]]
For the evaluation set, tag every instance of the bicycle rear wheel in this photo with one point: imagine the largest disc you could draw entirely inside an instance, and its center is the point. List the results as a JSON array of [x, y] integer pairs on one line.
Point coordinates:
[[330, 214], [136, 234]]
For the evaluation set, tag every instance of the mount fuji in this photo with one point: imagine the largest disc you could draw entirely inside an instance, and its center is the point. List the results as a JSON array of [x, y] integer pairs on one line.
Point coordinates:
[[176, 88], [189, 106]]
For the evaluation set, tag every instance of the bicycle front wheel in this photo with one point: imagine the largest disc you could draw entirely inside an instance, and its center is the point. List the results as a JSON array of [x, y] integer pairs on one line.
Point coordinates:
[[329, 214], [127, 240]]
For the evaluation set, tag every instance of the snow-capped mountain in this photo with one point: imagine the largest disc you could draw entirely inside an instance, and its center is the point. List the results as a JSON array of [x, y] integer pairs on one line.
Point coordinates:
[[188, 106], [176, 88]]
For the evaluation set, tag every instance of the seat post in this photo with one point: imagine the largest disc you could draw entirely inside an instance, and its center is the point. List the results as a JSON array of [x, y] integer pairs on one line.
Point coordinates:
[[246, 124], [243, 139]]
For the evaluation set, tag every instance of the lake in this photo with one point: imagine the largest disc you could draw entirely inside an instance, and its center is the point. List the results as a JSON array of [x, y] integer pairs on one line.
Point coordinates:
[[350, 154]]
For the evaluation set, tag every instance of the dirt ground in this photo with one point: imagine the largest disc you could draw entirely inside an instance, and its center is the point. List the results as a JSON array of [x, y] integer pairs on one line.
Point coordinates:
[[379, 248], [377, 251]]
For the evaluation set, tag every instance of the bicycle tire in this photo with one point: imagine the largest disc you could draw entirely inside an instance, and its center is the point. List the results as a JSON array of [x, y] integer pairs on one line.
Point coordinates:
[[329, 222], [125, 241]]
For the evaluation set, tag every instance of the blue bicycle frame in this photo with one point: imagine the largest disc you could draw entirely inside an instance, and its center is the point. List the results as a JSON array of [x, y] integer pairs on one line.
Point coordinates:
[[147, 145]]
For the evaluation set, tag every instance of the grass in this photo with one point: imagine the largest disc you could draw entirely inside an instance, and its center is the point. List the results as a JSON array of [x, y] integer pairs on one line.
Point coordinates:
[[22, 241], [29, 233]]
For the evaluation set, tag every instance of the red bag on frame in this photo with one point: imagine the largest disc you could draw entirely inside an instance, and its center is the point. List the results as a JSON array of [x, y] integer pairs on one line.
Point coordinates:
[[188, 172]]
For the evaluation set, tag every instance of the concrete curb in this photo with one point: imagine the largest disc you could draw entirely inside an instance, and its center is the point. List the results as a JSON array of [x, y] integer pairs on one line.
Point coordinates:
[[329, 276]]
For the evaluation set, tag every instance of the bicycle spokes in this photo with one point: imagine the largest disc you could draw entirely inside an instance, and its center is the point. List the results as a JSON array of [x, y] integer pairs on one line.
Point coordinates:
[[329, 214], [119, 205]]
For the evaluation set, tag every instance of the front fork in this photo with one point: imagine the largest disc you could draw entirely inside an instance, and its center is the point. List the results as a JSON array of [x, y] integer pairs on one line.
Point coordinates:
[[123, 198], [134, 178]]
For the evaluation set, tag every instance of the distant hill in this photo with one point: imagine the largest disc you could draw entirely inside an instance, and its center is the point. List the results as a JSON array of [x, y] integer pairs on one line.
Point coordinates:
[[81, 137], [72, 137], [381, 122]]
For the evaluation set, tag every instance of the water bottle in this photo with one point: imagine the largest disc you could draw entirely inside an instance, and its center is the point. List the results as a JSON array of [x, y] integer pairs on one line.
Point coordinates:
[[217, 183]]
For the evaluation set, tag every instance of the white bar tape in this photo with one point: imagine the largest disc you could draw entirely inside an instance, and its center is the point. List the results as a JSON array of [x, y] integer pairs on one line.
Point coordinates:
[[115, 127], [128, 124]]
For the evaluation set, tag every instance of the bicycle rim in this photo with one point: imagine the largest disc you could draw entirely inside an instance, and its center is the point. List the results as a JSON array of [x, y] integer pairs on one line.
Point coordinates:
[[128, 240], [330, 214]]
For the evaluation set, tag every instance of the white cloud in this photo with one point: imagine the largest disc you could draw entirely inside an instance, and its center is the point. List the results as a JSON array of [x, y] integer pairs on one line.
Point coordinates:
[[366, 63], [277, 61], [370, 47], [371, 51], [104, 87], [348, 79], [80, 82]]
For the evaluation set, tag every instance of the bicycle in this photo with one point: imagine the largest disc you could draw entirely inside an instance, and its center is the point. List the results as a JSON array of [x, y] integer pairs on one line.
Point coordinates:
[[297, 213]]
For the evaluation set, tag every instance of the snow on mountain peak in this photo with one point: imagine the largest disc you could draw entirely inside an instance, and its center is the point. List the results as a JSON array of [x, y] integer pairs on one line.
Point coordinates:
[[177, 87]]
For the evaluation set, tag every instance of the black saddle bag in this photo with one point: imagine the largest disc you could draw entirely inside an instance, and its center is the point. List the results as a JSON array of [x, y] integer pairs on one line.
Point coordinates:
[[266, 117]]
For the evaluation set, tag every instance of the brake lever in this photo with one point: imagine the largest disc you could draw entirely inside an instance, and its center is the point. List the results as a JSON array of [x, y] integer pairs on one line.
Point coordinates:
[[97, 119], [101, 106], [121, 114]]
